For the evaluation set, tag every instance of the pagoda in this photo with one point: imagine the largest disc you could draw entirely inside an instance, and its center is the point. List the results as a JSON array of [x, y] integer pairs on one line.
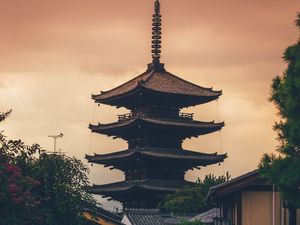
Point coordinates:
[[155, 162]]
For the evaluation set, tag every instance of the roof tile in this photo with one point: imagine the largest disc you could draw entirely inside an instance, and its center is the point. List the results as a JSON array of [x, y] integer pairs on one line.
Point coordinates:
[[158, 81]]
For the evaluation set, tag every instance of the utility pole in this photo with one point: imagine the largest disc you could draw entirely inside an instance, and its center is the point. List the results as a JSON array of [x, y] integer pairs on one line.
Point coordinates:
[[55, 140]]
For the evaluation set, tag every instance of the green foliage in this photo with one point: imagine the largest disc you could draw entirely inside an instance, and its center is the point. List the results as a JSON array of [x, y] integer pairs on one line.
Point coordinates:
[[285, 95], [284, 169], [192, 199], [284, 172], [39, 188], [62, 183]]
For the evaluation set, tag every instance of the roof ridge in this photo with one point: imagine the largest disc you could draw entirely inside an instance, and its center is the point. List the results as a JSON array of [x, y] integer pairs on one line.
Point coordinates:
[[141, 210], [150, 76], [243, 176]]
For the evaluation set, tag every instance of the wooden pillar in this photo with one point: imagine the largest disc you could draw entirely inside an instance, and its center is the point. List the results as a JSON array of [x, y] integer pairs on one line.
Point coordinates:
[[292, 215], [239, 208]]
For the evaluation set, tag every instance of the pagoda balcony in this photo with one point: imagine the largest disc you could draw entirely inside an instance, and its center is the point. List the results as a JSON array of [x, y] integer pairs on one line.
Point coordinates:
[[126, 116], [182, 116], [187, 116]]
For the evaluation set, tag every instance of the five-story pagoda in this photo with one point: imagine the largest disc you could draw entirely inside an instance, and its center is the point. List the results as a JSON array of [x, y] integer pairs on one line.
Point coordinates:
[[154, 163]]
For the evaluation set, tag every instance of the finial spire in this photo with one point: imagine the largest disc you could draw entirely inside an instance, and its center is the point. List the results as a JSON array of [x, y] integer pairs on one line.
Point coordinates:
[[156, 33]]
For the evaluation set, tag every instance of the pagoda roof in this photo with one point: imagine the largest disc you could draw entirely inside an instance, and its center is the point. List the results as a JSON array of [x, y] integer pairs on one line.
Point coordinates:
[[200, 127], [150, 185], [194, 158], [158, 81]]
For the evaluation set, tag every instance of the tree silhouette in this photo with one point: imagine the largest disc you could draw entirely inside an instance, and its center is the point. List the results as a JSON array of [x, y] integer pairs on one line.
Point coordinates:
[[284, 169], [40, 188]]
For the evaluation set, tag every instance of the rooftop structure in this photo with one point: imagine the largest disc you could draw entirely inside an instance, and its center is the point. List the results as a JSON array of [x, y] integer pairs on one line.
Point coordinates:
[[150, 217], [102, 216], [155, 162]]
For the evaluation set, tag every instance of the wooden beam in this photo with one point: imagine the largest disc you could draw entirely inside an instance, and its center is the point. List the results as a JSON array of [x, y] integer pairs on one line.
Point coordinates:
[[239, 208]]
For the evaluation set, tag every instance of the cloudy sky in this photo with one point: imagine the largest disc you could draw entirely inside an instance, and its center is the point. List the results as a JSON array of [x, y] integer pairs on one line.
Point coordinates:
[[55, 54]]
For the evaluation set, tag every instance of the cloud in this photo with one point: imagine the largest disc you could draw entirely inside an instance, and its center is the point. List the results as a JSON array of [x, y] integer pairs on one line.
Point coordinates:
[[55, 54]]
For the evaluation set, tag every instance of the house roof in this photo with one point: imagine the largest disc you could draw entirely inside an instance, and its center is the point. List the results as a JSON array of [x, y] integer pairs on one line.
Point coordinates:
[[207, 216], [202, 127], [152, 216], [100, 212], [152, 185], [237, 184], [202, 159], [159, 81]]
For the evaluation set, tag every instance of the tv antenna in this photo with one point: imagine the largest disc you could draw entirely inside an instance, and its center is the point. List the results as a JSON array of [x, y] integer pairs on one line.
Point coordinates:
[[55, 137]]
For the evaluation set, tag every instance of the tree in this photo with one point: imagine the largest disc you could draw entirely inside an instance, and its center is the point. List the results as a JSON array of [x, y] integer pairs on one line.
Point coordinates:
[[4, 115], [192, 199], [284, 169], [40, 188]]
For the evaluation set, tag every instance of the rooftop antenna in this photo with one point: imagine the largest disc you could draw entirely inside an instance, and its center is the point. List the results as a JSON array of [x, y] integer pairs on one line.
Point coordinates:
[[55, 137]]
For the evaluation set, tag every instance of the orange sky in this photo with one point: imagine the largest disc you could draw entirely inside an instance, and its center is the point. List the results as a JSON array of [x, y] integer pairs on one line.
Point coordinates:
[[55, 54]]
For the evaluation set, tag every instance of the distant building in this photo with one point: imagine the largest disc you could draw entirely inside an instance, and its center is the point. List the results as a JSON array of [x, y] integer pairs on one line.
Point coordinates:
[[249, 200], [154, 163], [151, 217], [103, 217]]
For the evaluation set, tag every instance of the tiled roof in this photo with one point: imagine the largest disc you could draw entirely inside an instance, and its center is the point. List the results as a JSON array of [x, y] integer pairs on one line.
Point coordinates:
[[164, 82], [106, 214], [165, 153], [237, 183], [154, 185], [152, 217], [208, 216], [175, 123]]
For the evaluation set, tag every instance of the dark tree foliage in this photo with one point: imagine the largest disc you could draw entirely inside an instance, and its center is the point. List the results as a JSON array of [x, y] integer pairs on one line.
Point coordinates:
[[40, 188], [192, 199], [4, 115], [284, 169]]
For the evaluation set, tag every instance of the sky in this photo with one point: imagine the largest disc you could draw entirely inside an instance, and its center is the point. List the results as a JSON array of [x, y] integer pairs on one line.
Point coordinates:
[[56, 54]]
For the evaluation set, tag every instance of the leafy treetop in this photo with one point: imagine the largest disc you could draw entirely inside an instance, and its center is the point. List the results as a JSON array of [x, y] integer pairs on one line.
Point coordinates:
[[40, 188], [192, 199]]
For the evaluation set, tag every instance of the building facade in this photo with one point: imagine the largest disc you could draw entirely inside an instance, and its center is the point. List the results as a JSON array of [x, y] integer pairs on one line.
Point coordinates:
[[250, 200]]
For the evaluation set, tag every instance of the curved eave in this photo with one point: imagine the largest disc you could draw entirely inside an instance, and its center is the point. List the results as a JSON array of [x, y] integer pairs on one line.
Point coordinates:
[[147, 185], [191, 157], [109, 100], [195, 126], [125, 99]]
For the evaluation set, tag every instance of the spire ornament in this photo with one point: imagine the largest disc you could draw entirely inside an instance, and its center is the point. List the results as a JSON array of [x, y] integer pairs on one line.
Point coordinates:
[[156, 33]]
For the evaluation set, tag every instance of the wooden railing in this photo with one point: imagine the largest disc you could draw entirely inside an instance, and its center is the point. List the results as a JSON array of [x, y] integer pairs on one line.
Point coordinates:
[[128, 116], [189, 116]]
